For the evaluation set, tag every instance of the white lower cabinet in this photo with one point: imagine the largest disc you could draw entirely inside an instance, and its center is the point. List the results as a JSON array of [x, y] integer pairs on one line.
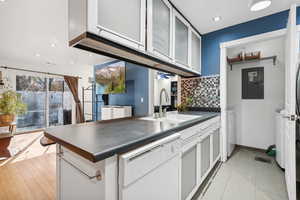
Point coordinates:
[[78, 178], [189, 171], [115, 112], [200, 152], [216, 145], [205, 162]]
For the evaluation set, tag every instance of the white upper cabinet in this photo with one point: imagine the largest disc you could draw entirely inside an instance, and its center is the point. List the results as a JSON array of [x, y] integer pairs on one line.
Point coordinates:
[[195, 51], [119, 21], [121, 29], [181, 40], [160, 28]]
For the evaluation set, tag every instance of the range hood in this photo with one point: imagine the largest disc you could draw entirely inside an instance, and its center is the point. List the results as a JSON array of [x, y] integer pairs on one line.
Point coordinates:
[[94, 43]]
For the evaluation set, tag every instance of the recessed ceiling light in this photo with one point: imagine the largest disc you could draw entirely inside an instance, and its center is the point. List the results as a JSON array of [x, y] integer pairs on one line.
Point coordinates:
[[216, 19], [90, 55], [72, 62], [38, 55], [2, 0], [257, 5], [53, 45]]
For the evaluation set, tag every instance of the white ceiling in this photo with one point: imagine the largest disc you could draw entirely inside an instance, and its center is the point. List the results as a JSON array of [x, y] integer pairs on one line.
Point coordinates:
[[232, 12], [30, 27]]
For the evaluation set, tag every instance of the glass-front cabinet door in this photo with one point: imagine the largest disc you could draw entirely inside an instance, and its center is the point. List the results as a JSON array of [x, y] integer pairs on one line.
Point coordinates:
[[216, 145], [188, 172], [181, 38], [205, 146], [160, 28], [120, 21], [195, 51]]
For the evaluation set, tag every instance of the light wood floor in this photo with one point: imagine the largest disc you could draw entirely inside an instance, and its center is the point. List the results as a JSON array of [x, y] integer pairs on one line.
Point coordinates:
[[30, 175]]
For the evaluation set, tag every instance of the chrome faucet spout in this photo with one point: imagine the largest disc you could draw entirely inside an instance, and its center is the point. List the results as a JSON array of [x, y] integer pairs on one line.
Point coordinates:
[[163, 90]]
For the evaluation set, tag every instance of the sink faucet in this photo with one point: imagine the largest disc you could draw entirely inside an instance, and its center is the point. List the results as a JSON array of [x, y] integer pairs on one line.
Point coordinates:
[[161, 112]]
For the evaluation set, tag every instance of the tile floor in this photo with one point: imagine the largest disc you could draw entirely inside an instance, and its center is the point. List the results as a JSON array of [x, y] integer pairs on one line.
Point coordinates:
[[243, 178]]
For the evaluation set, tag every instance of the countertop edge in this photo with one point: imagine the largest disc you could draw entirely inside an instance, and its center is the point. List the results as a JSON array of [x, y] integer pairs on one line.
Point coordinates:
[[127, 147]]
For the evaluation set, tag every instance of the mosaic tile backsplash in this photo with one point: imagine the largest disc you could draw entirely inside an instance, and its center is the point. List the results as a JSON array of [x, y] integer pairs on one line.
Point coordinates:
[[203, 91]]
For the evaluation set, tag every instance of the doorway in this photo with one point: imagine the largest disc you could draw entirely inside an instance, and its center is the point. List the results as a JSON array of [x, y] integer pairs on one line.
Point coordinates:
[[291, 49]]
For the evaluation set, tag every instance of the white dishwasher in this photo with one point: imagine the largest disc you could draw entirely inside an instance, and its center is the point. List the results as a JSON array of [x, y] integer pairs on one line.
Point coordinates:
[[152, 171]]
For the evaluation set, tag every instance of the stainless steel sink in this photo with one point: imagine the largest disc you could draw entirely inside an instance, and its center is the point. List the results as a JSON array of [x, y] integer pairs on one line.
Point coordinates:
[[174, 117]]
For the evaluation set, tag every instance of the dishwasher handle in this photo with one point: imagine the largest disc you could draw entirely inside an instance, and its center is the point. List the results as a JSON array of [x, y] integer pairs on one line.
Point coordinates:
[[145, 152], [133, 155]]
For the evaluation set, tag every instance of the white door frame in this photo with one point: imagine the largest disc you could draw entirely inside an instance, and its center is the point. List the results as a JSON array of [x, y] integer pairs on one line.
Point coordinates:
[[223, 76]]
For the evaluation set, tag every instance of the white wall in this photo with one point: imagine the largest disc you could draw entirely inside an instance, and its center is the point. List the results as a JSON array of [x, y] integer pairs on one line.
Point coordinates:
[[256, 118]]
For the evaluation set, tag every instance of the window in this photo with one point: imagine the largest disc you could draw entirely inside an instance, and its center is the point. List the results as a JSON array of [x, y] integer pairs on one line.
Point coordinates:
[[49, 102], [33, 91]]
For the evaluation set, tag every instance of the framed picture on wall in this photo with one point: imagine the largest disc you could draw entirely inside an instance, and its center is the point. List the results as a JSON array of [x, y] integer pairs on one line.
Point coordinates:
[[253, 83], [110, 79]]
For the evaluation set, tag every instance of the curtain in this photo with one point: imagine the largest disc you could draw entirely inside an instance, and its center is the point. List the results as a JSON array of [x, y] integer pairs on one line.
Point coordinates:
[[72, 82]]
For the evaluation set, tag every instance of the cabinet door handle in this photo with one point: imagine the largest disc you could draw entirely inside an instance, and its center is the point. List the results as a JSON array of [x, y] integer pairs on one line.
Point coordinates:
[[118, 35]]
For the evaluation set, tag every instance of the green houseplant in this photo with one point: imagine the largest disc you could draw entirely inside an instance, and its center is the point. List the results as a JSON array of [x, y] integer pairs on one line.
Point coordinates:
[[183, 107], [11, 104]]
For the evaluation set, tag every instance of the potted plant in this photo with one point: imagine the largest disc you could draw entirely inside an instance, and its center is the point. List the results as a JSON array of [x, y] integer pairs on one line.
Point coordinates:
[[11, 104], [183, 107]]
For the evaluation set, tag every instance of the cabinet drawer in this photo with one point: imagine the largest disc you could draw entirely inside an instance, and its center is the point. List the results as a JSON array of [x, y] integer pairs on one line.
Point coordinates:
[[118, 113], [106, 113], [212, 122], [189, 132]]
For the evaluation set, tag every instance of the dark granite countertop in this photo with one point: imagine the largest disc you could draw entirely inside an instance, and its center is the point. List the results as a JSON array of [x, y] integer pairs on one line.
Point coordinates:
[[99, 140]]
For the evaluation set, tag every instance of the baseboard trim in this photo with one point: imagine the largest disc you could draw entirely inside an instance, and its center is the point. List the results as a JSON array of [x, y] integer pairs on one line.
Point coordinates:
[[250, 148], [207, 181]]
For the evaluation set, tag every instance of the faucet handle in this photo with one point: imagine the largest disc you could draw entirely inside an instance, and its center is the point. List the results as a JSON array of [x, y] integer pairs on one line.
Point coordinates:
[[164, 112]]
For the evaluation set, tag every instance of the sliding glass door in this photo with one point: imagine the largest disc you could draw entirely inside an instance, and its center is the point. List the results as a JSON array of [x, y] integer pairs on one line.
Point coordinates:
[[33, 92], [48, 100]]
